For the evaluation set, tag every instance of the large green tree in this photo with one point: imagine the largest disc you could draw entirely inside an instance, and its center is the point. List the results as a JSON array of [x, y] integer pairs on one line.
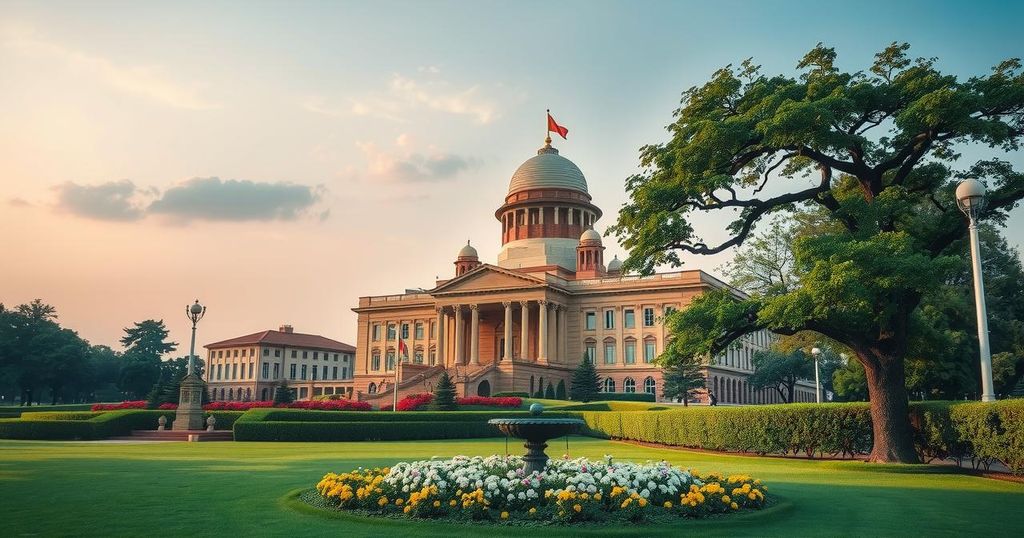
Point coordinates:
[[780, 371], [585, 385], [145, 345], [683, 379], [875, 151]]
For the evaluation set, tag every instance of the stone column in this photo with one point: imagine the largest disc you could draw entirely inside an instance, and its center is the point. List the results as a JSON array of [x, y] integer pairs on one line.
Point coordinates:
[[458, 359], [563, 333], [542, 331], [442, 357], [524, 338], [507, 352], [474, 334], [553, 334]]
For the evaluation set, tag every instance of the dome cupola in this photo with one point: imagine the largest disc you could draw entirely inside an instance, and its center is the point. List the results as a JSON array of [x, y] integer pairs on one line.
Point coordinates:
[[590, 255], [467, 260], [615, 266]]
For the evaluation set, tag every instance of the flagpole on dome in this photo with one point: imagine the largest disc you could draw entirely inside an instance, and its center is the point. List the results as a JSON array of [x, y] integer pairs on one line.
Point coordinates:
[[547, 134]]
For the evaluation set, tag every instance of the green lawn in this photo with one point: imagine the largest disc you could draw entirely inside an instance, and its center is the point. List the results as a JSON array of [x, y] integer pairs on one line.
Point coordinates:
[[236, 489]]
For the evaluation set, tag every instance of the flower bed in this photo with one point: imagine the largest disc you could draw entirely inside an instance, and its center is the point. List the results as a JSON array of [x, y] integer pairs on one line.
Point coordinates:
[[419, 402], [495, 488], [320, 405]]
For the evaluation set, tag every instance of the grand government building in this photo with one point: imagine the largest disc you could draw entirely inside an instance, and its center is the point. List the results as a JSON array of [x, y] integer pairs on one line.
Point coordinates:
[[522, 324]]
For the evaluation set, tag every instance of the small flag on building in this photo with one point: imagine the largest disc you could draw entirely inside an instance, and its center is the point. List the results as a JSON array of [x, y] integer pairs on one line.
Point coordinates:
[[554, 127], [403, 351]]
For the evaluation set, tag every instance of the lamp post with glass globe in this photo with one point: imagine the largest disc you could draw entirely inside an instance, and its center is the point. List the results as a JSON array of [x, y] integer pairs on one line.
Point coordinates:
[[190, 402], [816, 353], [970, 196]]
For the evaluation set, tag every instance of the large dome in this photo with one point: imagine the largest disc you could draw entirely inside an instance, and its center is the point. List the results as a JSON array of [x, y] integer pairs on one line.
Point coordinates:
[[546, 171]]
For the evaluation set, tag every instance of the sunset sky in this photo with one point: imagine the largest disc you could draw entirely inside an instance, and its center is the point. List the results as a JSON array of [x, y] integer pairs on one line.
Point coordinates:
[[278, 160]]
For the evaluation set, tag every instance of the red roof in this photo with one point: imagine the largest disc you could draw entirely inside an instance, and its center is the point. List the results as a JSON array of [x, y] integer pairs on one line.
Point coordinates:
[[278, 338]]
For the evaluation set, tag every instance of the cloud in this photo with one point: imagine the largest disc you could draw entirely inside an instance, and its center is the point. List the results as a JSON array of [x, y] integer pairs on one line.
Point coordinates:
[[404, 95], [116, 200], [407, 165], [18, 202], [148, 81], [209, 199]]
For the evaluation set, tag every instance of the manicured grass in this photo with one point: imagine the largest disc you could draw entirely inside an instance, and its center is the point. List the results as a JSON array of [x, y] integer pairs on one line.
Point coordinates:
[[236, 489]]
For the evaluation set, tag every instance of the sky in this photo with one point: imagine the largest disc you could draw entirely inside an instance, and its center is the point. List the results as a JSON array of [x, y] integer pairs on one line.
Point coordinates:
[[278, 160]]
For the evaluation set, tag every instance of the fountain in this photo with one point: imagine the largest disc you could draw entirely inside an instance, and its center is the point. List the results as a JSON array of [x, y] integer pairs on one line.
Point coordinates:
[[536, 431]]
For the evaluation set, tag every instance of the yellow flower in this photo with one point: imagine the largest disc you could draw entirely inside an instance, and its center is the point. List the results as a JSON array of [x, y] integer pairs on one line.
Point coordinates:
[[597, 496], [452, 503], [577, 508], [398, 502], [751, 496], [668, 504], [734, 506], [437, 504], [533, 511], [504, 515], [726, 499], [642, 502], [406, 509], [584, 496]]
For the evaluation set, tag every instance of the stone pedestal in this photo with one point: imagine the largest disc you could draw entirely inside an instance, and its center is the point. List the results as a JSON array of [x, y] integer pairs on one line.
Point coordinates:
[[190, 404]]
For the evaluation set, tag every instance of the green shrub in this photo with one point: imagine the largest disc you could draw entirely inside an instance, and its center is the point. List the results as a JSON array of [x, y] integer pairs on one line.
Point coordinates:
[[610, 406], [53, 430], [60, 415], [995, 431], [98, 425], [511, 395], [303, 415], [626, 396]]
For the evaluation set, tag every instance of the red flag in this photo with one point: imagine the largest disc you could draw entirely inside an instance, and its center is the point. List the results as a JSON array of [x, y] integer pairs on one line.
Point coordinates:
[[556, 128], [402, 350]]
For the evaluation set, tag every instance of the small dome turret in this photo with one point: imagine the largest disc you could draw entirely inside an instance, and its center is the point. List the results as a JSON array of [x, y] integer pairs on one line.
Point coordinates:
[[467, 260], [468, 251], [590, 237], [615, 266]]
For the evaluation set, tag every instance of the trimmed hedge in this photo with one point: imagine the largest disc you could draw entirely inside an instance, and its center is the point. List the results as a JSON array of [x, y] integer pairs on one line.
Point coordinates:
[[296, 415], [98, 425], [15, 411], [981, 432], [511, 394], [361, 431], [611, 406], [626, 397]]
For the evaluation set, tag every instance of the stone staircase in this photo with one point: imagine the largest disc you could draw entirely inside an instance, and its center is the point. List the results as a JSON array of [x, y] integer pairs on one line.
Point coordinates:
[[171, 435]]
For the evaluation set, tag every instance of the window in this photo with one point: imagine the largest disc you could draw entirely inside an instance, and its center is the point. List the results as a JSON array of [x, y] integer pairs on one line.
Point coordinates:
[[650, 351], [375, 361], [419, 331], [236, 352], [234, 371], [294, 354], [629, 385], [251, 371], [609, 353], [390, 362], [266, 352], [433, 357], [314, 371], [344, 372], [405, 331], [334, 372], [591, 352], [277, 370], [630, 351], [629, 319], [391, 332], [220, 354], [324, 376], [335, 357], [243, 353], [609, 385], [609, 319], [418, 357], [669, 310], [277, 352], [649, 386], [372, 388], [218, 371], [376, 332], [266, 370], [303, 377], [591, 321], [648, 317], [316, 356], [305, 354], [433, 329], [291, 372]]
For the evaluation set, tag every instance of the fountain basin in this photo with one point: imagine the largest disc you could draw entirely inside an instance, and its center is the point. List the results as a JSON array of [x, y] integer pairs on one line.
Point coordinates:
[[536, 432]]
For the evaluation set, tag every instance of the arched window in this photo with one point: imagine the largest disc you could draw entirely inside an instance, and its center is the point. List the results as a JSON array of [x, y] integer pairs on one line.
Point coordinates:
[[372, 389], [222, 393], [531, 385], [650, 387], [609, 385], [248, 394], [609, 351], [231, 394], [375, 360], [715, 384], [629, 385], [263, 394]]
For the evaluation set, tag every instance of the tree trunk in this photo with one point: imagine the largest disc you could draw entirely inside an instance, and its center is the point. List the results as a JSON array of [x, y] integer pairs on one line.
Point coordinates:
[[890, 423]]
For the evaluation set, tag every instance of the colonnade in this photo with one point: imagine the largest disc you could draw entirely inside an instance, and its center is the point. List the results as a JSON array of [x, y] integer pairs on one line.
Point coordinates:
[[551, 328]]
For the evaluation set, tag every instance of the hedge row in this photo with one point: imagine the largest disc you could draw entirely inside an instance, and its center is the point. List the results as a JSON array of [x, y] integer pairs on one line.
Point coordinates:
[[296, 415], [610, 406], [626, 396], [360, 431], [99, 425], [981, 432]]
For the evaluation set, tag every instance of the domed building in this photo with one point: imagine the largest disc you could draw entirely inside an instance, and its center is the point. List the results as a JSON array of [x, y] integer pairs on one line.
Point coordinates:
[[524, 323]]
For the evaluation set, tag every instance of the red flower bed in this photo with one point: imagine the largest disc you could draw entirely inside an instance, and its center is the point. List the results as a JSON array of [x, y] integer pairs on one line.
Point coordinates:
[[504, 401], [236, 406], [135, 404], [330, 405], [416, 402]]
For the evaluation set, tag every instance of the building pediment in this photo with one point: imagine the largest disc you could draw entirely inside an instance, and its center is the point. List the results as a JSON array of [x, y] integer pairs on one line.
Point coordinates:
[[487, 278]]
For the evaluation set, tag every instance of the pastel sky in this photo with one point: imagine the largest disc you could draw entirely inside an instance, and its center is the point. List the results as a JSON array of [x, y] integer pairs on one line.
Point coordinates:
[[277, 160]]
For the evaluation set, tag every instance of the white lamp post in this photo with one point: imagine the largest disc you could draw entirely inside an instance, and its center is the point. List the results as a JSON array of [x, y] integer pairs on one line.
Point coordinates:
[[189, 416], [970, 196], [816, 352]]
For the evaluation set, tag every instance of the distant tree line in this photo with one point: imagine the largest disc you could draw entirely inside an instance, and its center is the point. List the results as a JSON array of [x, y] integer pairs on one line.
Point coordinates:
[[42, 362]]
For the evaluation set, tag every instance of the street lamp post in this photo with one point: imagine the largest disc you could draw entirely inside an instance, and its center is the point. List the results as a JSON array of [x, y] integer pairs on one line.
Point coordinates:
[[189, 415], [816, 353], [970, 196]]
